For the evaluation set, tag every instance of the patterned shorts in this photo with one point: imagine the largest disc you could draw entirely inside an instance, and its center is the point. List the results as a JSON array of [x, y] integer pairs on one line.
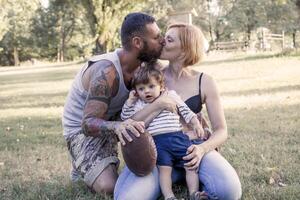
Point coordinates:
[[91, 155]]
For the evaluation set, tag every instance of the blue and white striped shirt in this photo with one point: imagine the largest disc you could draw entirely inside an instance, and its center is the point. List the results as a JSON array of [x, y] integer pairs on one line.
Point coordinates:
[[166, 121]]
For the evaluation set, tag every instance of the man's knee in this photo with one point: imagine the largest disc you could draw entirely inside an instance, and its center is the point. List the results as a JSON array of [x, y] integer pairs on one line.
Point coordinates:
[[106, 181], [104, 186]]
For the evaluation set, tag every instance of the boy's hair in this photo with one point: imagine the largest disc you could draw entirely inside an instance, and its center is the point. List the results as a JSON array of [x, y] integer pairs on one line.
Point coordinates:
[[134, 24], [147, 71]]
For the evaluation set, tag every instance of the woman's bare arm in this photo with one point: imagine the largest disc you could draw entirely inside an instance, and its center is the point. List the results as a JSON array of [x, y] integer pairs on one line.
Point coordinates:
[[215, 113], [217, 119]]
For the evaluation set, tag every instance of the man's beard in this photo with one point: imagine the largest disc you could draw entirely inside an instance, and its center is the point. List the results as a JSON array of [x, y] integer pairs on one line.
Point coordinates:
[[147, 55]]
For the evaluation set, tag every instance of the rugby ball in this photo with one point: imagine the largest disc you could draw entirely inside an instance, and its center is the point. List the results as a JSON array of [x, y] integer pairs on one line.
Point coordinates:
[[140, 154]]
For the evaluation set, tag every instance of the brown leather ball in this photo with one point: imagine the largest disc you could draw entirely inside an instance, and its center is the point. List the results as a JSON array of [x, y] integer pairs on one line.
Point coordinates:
[[140, 154]]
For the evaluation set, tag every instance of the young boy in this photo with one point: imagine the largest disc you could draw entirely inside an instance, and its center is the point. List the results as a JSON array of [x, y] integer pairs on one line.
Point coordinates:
[[166, 129]]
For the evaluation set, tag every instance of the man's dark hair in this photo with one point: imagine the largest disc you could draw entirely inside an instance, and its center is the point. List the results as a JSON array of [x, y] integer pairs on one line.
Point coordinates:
[[134, 24]]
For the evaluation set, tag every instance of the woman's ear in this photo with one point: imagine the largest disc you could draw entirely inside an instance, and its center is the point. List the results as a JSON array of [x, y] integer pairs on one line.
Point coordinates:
[[137, 42]]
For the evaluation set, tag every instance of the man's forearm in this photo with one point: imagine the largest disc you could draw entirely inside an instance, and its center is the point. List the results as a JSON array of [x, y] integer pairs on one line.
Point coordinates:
[[95, 127]]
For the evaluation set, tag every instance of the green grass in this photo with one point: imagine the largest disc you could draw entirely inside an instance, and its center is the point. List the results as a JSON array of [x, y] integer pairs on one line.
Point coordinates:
[[261, 98]]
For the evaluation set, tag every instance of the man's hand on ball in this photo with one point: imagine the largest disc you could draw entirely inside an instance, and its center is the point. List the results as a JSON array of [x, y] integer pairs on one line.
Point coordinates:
[[122, 128]]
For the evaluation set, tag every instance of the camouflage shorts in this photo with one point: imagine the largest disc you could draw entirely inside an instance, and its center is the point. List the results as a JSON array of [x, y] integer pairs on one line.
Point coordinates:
[[91, 155]]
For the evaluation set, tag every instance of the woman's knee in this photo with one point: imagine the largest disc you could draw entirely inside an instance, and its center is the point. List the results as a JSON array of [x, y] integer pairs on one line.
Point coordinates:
[[230, 189], [132, 187], [219, 178]]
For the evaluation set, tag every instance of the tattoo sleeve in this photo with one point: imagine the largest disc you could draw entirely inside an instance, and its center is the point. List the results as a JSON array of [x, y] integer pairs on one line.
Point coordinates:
[[103, 86]]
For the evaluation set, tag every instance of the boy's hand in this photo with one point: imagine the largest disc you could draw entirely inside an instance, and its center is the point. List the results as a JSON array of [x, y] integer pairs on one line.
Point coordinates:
[[198, 128], [133, 97]]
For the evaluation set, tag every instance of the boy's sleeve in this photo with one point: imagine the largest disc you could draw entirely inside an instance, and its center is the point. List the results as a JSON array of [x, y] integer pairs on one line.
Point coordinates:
[[186, 113], [129, 110], [183, 109]]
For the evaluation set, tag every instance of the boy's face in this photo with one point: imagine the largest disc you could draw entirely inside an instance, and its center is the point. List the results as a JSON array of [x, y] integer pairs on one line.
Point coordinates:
[[148, 92]]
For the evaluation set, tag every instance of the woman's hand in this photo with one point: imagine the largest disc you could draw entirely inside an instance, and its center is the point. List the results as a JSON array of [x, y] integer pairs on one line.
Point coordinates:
[[194, 155]]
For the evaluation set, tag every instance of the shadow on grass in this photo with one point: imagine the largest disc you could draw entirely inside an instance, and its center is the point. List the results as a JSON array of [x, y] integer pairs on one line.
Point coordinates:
[[37, 77], [262, 91], [245, 58], [57, 188], [30, 132], [53, 65], [41, 100]]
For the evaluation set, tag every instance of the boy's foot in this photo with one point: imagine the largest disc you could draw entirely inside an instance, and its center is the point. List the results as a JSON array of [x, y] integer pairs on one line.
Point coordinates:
[[199, 196]]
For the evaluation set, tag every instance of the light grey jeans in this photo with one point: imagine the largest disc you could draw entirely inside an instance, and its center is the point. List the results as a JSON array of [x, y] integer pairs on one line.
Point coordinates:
[[218, 177]]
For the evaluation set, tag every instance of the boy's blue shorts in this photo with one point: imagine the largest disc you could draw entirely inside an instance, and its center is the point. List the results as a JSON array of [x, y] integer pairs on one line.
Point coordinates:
[[171, 147]]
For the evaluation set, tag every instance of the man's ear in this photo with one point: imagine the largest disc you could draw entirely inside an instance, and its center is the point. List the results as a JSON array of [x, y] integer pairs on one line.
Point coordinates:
[[163, 89], [137, 42]]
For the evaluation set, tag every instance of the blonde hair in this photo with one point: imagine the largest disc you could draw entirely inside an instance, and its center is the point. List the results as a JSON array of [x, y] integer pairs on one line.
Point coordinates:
[[192, 42]]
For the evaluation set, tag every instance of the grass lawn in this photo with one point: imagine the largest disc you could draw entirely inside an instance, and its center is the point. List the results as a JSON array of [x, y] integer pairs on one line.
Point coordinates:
[[261, 98]]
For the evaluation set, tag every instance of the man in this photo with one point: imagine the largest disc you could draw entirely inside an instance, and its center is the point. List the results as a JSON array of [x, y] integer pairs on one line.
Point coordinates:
[[98, 94]]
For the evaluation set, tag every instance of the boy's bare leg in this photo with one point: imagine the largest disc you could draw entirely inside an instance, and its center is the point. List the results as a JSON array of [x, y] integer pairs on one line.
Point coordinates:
[[165, 181], [192, 180]]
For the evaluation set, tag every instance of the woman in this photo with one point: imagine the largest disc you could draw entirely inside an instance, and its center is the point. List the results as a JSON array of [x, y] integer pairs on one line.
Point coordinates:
[[184, 47]]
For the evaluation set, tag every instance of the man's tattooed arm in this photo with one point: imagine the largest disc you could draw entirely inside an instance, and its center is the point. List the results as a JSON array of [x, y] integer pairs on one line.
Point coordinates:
[[103, 85]]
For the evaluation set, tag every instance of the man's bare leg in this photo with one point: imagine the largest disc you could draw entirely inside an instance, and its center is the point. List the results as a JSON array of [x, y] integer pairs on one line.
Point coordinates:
[[106, 181]]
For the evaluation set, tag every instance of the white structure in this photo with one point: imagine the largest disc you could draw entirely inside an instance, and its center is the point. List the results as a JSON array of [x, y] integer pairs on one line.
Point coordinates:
[[182, 16]]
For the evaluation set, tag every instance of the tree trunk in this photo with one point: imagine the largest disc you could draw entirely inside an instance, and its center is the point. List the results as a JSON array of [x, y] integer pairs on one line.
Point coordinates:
[[16, 57], [209, 22], [294, 39], [62, 48], [249, 33], [218, 35], [99, 48], [58, 53]]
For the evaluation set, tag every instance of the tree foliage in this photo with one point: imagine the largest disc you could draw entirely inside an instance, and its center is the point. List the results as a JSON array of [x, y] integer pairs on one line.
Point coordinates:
[[72, 29], [14, 31]]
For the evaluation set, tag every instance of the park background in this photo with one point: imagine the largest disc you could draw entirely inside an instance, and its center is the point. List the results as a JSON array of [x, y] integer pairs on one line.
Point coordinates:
[[44, 43]]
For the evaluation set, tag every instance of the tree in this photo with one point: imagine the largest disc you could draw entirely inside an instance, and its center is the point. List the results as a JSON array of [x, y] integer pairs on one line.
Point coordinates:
[[246, 16], [66, 15], [282, 16], [105, 18], [15, 34]]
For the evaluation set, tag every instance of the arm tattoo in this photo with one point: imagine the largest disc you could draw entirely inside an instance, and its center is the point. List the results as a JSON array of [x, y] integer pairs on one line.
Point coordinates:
[[103, 86]]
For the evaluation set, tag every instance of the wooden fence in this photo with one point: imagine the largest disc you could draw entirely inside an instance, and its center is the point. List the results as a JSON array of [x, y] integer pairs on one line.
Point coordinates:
[[230, 46], [267, 37]]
